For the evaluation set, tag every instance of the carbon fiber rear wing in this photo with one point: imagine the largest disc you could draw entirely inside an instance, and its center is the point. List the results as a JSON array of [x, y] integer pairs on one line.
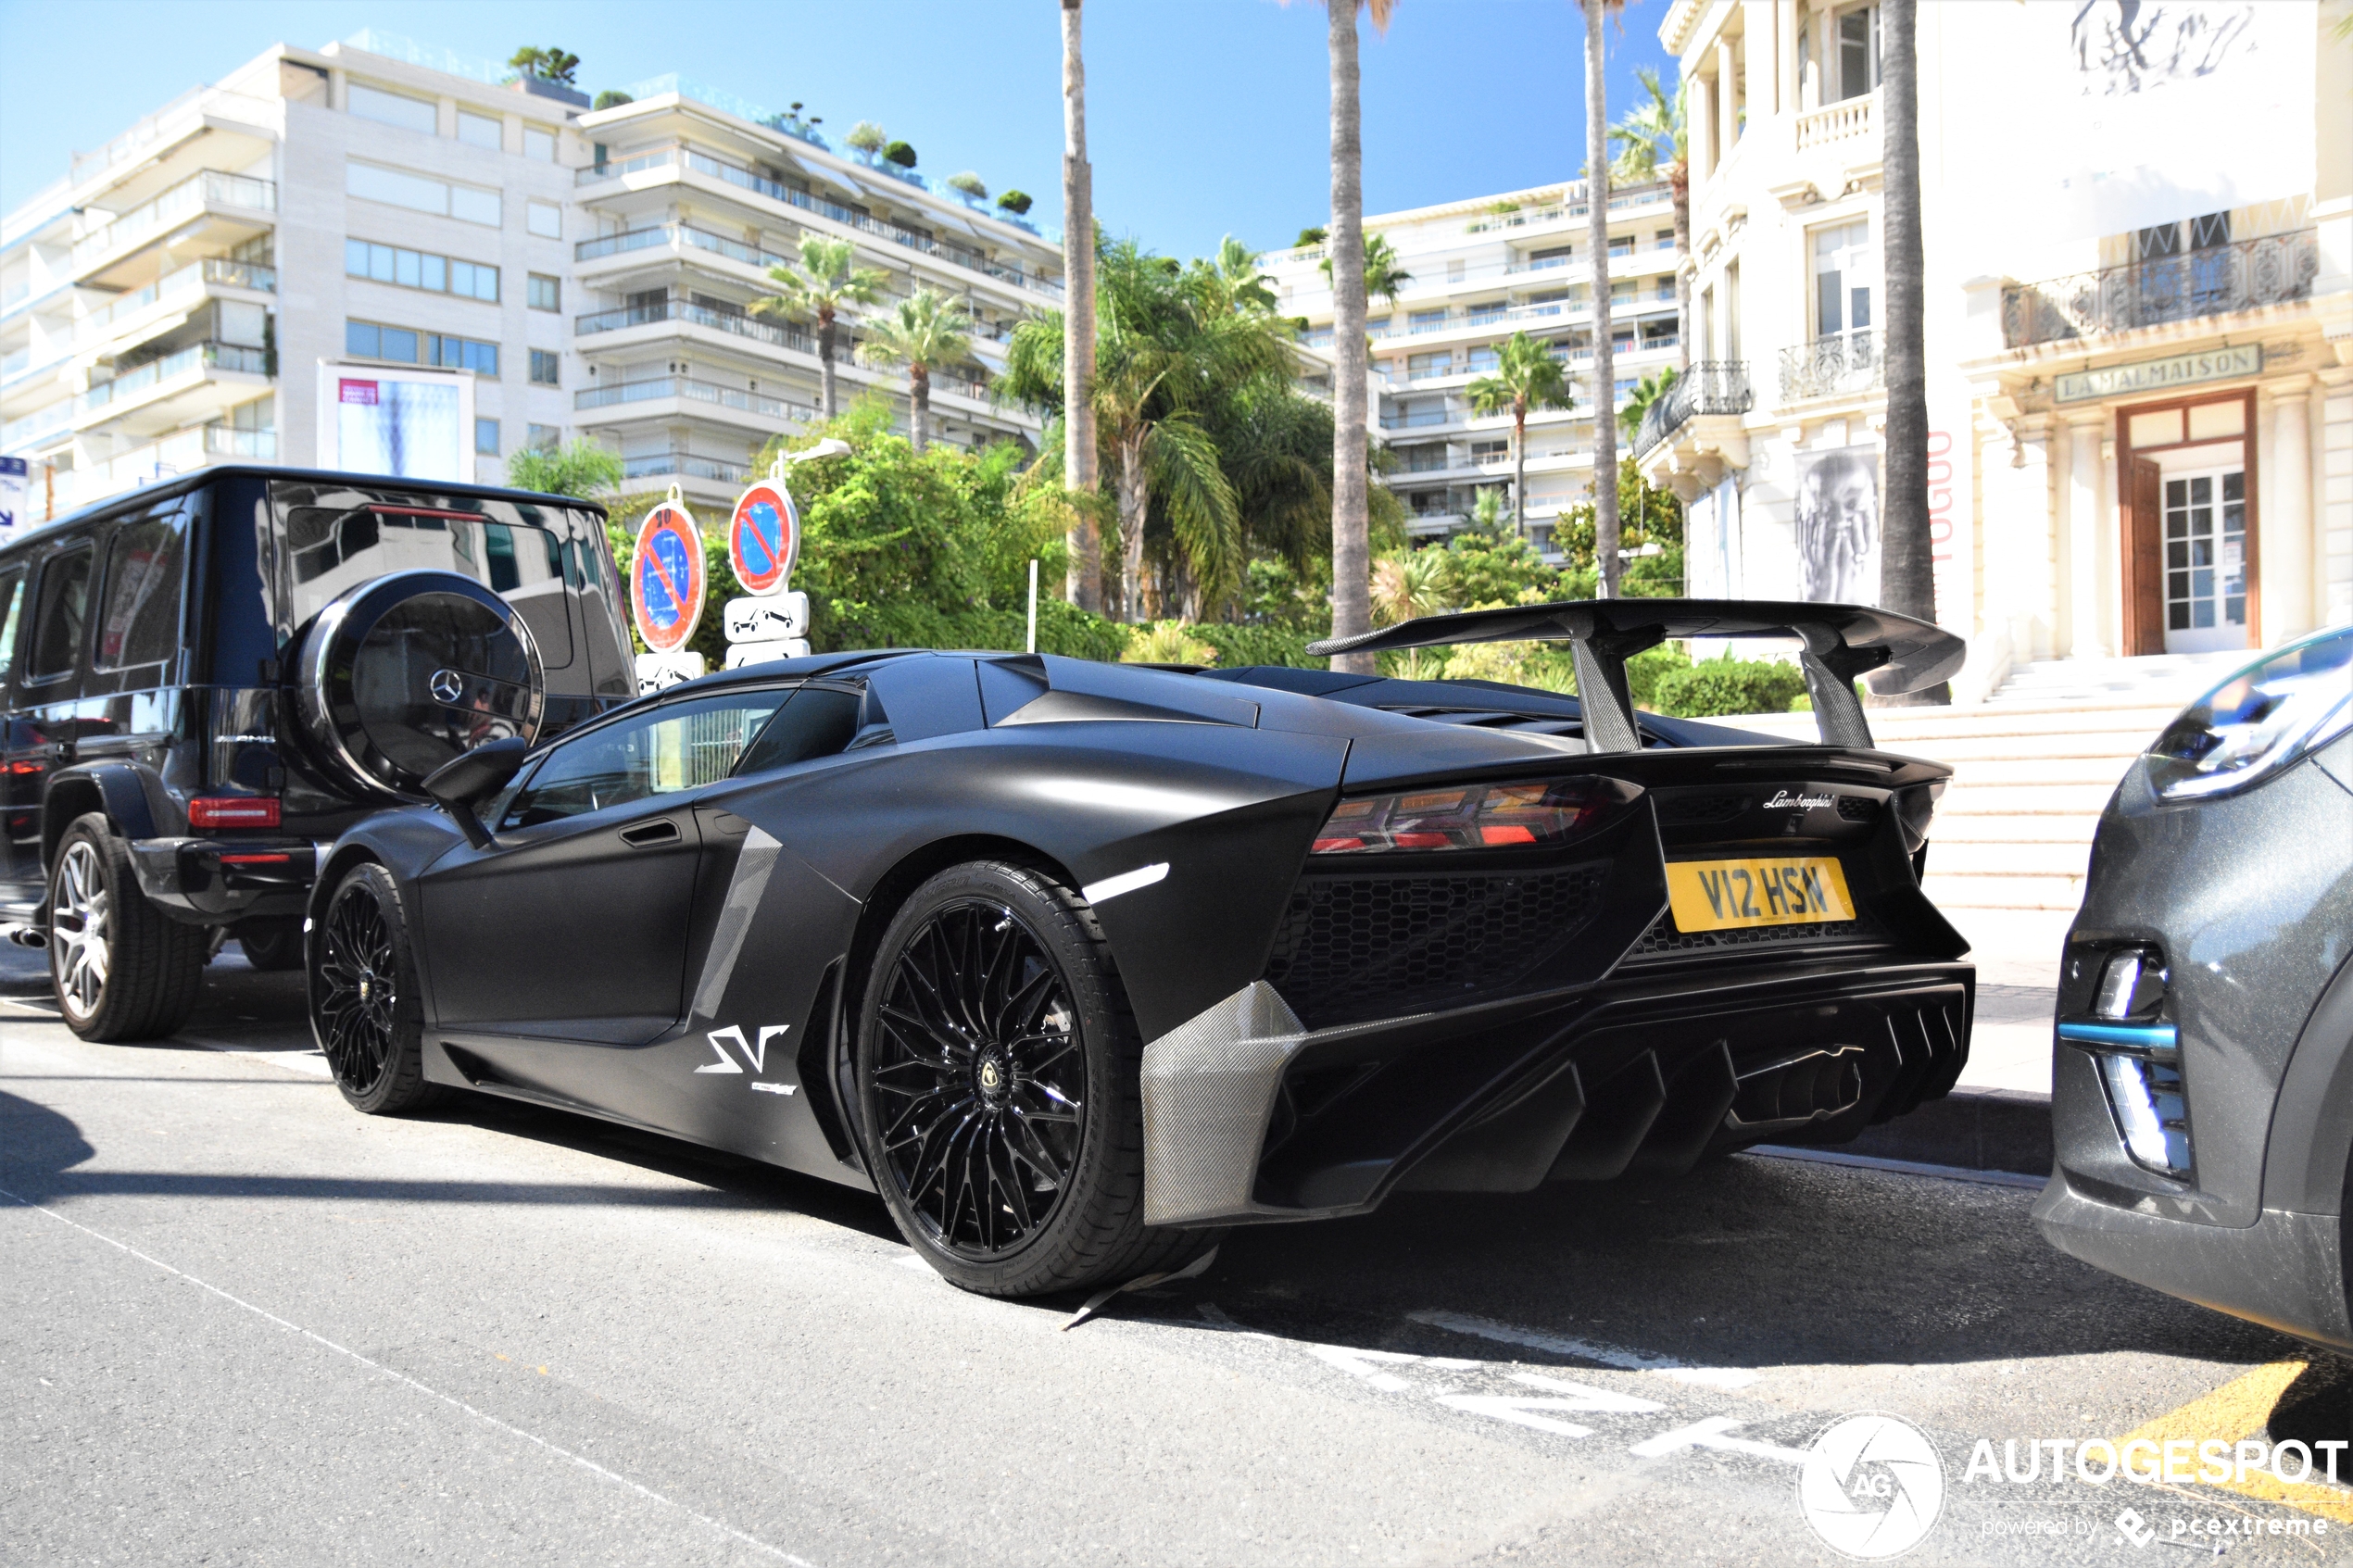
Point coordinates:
[[1894, 653]]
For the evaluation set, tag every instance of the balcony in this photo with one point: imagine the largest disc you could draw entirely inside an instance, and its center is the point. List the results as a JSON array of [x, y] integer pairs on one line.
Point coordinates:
[[680, 465], [2218, 280], [681, 311], [188, 284], [210, 189], [1849, 120], [1841, 364], [1711, 387], [1418, 419], [677, 236], [689, 160], [107, 399], [178, 452], [17, 434], [688, 389]]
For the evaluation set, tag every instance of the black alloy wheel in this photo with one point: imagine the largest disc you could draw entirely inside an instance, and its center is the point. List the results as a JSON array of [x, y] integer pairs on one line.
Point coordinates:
[[979, 1080], [363, 996], [999, 1083]]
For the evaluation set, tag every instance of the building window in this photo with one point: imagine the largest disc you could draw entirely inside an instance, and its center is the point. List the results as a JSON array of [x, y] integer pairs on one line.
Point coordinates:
[[1856, 70], [393, 108], [540, 144], [546, 220], [397, 187], [371, 340], [1843, 269], [420, 269], [546, 294], [2178, 239], [1481, 359], [545, 368], [1420, 320], [542, 438], [480, 130], [1621, 245], [486, 437]]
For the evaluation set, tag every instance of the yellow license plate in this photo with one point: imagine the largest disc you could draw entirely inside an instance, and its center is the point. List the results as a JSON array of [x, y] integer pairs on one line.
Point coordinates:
[[1722, 895]]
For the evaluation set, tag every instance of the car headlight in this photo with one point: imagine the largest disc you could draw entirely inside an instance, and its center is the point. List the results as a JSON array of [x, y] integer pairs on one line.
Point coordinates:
[[2257, 721]]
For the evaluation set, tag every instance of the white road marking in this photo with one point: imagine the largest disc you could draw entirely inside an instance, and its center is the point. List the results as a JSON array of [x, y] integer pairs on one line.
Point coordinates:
[[311, 1061], [1125, 882], [1587, 1349], [1589, 1397], [1366, 1364], [1519, 1411], [483, 1416], [1710, 1434]]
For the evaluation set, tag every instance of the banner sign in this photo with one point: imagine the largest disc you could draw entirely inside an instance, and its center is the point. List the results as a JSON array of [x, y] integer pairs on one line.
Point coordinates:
[[764, 539], [666, 577], [2156, 375]]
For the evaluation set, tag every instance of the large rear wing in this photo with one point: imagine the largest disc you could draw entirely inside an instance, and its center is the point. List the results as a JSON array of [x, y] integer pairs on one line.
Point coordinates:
[[1894, 653]]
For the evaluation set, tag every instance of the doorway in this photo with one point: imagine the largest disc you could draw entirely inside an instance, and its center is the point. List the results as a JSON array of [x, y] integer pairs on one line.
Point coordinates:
[[2191, 529], [2205, 560]]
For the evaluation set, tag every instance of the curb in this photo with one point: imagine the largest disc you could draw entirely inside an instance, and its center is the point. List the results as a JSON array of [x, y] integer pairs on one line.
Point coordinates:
[[1972, 1129]]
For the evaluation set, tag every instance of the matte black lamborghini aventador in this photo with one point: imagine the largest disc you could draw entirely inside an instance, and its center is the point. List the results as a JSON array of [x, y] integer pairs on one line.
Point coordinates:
[[1076, 962]]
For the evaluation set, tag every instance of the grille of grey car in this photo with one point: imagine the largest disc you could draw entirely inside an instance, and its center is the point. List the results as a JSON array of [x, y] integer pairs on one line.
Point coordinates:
[[1369, 946]]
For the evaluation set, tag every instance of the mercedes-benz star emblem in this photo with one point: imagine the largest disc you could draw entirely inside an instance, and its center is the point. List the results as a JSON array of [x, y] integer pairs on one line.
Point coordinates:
[[449, 686]]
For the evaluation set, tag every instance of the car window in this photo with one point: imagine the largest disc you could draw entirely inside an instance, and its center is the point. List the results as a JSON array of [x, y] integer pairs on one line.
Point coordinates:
[[11, 615], [818, 721], [140, 623], [64, 608], [680, 746]]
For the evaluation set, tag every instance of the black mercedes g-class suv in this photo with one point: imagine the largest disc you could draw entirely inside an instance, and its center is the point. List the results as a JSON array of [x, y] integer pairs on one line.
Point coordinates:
[[209, 677]]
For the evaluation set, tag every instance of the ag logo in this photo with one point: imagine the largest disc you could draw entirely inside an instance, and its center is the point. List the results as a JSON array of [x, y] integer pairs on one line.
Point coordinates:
[[449, 686], [757, 1055], [1872, 1485]]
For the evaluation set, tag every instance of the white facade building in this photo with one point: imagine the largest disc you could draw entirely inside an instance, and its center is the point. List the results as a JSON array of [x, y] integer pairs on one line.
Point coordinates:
[[1481, 269], [2139, 319], [183, 294]]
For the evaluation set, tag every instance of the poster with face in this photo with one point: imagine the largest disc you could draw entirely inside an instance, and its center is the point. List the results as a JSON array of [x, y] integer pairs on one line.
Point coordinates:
[[1838, 525]]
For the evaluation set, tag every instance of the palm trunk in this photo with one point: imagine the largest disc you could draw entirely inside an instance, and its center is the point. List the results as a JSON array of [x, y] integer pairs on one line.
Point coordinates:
[[1352, 551], [1906, 569], [1084, 585], [919, 397], [1134, 497], [1679, 182], [1604, 359], [826, 396], [1519, 469]]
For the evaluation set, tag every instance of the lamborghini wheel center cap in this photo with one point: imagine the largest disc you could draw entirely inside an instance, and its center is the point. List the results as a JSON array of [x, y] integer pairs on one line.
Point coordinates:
[[995, 1077]]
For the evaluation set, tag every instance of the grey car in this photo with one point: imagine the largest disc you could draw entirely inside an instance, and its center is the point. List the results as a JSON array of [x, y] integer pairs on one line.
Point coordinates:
[[2202, 1081]]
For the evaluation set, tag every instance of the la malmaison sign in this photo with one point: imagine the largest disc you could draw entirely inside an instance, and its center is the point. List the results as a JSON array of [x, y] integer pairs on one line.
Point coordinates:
[[2155, 375]]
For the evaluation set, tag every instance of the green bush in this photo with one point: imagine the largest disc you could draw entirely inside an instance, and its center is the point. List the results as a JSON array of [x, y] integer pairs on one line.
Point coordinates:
[[1713, 687], [1239, 645]]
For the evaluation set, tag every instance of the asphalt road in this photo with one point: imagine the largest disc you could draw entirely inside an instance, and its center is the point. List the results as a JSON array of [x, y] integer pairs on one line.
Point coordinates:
[[241, 1323]]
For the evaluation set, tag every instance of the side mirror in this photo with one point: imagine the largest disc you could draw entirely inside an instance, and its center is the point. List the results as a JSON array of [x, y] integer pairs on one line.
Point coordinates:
[[465, 782]]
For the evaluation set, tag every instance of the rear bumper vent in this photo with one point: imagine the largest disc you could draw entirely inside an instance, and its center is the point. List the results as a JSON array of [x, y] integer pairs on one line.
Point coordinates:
[[1662, 940], [1371, 945]]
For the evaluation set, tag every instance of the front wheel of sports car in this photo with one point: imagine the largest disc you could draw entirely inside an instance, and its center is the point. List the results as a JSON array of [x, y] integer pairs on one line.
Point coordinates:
[[364, 1006], [998, 1071]]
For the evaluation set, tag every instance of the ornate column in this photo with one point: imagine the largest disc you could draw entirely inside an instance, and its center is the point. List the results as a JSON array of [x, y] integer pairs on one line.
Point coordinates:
[[2284, 539], [2086, 494], [1728, 97]]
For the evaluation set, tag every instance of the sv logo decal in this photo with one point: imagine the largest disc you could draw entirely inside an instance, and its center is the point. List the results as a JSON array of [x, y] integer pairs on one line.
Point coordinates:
[[755, 1054]]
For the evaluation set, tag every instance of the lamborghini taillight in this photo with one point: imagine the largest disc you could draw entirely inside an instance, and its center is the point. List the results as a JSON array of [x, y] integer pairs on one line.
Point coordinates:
[[1524, 814]]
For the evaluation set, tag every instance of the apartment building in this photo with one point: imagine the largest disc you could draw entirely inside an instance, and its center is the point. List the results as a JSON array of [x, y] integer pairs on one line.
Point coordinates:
[[1478, 272], [184, 294], [2139, 318]]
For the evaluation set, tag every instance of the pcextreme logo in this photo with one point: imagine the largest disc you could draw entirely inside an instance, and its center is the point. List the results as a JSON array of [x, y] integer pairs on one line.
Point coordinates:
[[1872, 1485], [755, 1054]]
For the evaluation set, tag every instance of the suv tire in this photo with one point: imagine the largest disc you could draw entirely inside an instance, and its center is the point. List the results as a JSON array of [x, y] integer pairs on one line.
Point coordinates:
[[121, 969], [271, 943], [999, 1076]]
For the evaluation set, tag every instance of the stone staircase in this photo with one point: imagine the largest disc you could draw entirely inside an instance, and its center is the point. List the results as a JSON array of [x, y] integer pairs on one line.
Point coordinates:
[[2033, 767]]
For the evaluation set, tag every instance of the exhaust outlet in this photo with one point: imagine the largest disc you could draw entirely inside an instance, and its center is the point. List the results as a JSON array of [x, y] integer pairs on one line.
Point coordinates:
[[33, 937]]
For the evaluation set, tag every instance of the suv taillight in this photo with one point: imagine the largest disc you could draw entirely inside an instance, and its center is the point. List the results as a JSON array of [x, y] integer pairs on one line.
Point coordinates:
[[233, 811]]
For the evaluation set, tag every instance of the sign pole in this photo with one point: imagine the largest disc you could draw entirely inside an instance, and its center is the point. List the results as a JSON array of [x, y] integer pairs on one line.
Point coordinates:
[[1033, 605]]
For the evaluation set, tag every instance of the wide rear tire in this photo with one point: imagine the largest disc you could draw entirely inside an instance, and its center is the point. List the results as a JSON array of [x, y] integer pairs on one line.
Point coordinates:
[[366, 1011], [121, 968], [999, 1080]]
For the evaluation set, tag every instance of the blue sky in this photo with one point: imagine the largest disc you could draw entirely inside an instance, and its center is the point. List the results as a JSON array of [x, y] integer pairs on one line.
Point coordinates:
[[1205, 117]]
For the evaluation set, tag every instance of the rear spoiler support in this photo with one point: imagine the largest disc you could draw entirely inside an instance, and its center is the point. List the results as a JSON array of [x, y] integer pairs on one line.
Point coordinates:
[[1895, 653]]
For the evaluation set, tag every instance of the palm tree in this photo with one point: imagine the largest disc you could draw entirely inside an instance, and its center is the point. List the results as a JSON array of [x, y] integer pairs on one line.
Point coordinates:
[[1236, 269], [1526, 376], [1653, 141], [826, 279], [1597, 241], [1352, 480], [1384, 275], [925, 332], [1084, 584], [1647, 391], [1409, 585], [1907, 572]]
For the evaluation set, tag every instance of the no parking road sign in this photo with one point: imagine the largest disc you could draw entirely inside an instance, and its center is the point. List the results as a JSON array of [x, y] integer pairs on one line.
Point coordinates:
[[764, 539], [666, 577]]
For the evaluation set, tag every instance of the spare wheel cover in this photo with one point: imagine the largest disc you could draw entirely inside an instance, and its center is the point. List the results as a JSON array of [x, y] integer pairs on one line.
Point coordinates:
[[406, 671]]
